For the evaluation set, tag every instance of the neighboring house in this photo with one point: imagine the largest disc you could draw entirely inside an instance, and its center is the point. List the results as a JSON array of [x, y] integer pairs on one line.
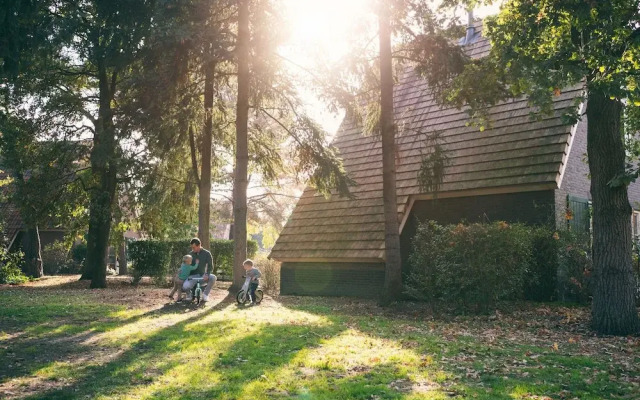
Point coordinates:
[[517, 170]]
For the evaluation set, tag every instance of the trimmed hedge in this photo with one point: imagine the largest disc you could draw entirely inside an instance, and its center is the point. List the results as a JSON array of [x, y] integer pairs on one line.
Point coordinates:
[[471, 267], [159, 259]]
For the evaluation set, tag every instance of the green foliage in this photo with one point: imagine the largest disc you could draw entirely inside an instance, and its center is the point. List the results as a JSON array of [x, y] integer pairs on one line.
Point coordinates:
[[38, 167], [575, 267], [58, 259], [542, 283], [79, 252], [432, 165], [565, 43], [11, 267], [159, 259], [150, 258], [55, 257], [469, 266], [473, 266]]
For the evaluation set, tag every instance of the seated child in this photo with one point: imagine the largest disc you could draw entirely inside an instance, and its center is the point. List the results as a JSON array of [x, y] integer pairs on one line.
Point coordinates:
[[183, 274], [254, 275]]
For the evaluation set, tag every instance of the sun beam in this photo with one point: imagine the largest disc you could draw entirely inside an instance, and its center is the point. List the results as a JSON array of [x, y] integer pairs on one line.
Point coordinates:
[[323, 27]]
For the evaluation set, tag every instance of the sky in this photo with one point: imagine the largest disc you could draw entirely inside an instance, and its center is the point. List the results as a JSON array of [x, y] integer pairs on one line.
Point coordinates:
[[323, 27]]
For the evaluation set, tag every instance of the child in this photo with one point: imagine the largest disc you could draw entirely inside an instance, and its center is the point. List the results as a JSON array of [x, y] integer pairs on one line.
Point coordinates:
[[182, 275], [254, 274]]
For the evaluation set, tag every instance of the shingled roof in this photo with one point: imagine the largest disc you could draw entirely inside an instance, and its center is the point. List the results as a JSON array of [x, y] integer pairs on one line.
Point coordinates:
[[516, 152]]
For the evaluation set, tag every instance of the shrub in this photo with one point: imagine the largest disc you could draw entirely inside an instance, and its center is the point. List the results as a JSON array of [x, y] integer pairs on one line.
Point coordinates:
[[11, 267], [270, 269], [55, 258], [158, 259], [150, 258], [541, 284], [470, 267], [473, 266], [575, 267], [79, 252]]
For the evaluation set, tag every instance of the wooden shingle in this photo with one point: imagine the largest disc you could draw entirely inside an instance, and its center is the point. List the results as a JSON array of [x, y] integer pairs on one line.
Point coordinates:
[[514, 151]]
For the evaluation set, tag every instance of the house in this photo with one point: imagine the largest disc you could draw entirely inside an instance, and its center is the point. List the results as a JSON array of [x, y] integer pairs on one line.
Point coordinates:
[[518, 170]]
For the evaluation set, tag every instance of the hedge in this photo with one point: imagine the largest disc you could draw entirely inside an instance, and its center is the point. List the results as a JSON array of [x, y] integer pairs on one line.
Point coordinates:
[[471, 267], [159, 259]]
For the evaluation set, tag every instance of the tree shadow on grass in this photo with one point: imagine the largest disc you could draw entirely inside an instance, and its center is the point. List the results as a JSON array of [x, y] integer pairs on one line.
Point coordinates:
[[234, 361], [139, 365], [62, 339], [479, 369], [249, 358]]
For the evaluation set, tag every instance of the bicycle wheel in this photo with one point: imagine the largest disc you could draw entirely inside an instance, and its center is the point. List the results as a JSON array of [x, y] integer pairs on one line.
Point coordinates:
[[241, 297], [198, 294], [259, 296]]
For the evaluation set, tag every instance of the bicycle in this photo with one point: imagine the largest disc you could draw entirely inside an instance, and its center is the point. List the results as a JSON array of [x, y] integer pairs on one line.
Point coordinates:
[[243, 295], [197, 290]]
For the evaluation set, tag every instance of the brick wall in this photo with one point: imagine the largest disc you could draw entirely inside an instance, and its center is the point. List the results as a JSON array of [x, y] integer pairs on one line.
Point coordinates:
[[331, 279], [576, 177]]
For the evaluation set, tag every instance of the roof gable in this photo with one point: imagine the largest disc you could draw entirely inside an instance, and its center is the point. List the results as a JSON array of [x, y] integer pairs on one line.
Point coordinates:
[[515, 151]]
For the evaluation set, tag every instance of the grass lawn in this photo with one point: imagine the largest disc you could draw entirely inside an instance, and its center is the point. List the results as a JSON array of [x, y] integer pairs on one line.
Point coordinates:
[[59, 340]]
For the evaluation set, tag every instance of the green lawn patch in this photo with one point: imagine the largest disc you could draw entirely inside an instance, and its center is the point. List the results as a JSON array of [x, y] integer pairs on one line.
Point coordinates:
[[71, 343]]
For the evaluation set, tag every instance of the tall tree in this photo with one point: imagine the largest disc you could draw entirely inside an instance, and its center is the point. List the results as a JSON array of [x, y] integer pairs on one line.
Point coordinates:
[[241, 180], [171, 94], [180, 89], [393, 263], [539, 48], [363, 84], [81, 54], [204, 205]]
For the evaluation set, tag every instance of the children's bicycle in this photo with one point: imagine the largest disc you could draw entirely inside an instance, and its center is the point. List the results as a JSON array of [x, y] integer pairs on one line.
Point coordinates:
[[243, 295], [197, 290]]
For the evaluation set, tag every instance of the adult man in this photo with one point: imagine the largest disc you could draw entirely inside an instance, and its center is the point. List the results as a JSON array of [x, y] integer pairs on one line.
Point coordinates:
[[202, 258]]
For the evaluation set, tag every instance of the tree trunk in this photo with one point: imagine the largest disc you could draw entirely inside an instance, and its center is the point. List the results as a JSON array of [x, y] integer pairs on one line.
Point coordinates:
[[613, 308], [393, 265], [122, 258], [242, 157], [32, 253], [204, 203], [102, 195]]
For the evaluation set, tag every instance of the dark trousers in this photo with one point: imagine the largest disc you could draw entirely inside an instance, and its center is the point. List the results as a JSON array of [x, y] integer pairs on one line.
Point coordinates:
[[252, 291]]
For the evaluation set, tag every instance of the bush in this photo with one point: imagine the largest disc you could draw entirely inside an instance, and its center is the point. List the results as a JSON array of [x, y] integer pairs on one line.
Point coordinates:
[[158, 259], [473, 266], [55, 257], [270, 269], [470, 267], [542, 283], [11, 267], [74, 264], [575, 267], [150, 258], [79, 252]]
